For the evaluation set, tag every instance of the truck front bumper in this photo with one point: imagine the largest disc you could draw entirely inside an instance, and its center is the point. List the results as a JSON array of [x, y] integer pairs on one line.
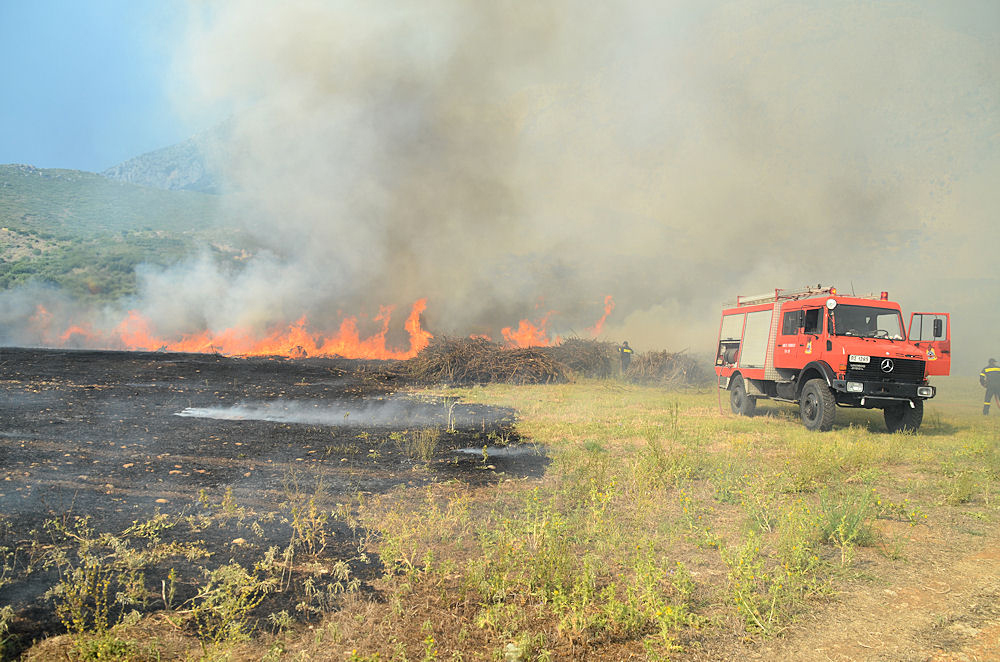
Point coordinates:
[[862, 393]]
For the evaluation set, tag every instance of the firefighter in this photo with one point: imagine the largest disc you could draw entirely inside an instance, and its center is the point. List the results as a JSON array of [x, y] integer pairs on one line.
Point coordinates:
[[625, 352], [989, 378]]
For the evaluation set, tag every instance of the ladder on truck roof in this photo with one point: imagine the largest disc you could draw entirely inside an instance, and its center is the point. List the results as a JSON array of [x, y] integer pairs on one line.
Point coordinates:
[[782, 295]]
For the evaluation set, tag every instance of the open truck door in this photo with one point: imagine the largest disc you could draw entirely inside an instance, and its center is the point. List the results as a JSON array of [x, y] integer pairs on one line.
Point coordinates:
[[931, 332]]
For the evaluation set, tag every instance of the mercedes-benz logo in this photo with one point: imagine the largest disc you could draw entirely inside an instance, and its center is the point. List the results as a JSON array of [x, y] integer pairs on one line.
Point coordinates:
[[887, 365]]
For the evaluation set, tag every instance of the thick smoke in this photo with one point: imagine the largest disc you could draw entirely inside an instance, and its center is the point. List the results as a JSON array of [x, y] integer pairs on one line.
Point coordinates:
[[489, 155], [508, 158]]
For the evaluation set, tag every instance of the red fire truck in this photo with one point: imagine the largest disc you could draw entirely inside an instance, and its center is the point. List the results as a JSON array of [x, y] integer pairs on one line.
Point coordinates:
[[820, 349]]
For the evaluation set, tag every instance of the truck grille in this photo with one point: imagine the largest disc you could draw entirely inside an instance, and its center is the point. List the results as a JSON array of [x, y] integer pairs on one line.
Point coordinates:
[[903, 370]]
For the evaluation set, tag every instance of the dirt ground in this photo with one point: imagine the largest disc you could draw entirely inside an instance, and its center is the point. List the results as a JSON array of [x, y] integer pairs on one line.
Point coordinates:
[[942, 605], [123, 436]]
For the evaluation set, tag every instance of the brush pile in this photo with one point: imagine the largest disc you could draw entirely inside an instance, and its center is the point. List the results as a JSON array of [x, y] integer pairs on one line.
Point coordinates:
[[667, 369], [586, 358], [479, 361], [466, 361]]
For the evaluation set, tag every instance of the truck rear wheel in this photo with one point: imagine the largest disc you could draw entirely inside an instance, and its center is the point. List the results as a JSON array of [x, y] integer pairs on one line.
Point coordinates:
[[903, 417], [817, 405], [739, 401]]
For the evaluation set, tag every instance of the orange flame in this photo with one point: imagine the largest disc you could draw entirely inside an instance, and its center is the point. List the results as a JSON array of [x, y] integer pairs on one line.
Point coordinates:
[[609, 305], [135, 333], [41, 319], [528, 334]]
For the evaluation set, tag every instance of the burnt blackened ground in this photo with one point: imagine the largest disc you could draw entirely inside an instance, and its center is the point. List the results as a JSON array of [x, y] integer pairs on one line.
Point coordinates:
[[120, 437]]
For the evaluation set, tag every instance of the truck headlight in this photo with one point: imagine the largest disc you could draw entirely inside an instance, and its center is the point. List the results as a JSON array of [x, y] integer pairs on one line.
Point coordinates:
[[925, 391], [855, 387]]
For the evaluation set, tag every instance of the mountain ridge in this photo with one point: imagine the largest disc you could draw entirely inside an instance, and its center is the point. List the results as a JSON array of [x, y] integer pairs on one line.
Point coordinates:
[[183, 166]]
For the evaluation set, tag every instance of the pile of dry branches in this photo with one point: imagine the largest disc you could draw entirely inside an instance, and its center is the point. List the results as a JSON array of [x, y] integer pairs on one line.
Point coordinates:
[[479, 361], [670, 369], [586, 358]]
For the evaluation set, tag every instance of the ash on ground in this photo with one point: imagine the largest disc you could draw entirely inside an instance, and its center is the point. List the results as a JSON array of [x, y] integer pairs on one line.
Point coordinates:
[[114, 438]]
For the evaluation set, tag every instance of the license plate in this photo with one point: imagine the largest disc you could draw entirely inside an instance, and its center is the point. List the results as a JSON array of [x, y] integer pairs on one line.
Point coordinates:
[[858, 358]]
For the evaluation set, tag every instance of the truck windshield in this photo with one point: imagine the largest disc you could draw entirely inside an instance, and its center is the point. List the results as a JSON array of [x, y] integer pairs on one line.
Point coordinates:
[[867, 322]]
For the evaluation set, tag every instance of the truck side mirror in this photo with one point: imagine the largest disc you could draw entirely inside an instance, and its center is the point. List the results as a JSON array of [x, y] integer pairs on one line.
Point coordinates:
[[938, 328]]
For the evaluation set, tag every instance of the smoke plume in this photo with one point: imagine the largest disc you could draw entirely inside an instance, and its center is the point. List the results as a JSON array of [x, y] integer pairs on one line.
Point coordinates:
[[505, 159]]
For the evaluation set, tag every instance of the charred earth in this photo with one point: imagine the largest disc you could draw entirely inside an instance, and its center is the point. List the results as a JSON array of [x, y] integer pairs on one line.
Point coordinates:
[[217, 452]]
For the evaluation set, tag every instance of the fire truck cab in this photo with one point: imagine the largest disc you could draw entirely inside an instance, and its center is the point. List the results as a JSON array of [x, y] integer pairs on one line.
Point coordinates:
[[821, 349]]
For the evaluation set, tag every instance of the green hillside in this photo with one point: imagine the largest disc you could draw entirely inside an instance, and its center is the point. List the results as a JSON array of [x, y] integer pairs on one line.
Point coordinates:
[[86, 233], [73, 204]]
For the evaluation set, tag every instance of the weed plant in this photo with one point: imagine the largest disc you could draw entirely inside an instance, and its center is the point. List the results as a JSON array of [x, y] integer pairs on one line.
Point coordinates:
[[6, 639], [223, 607], [101, 576], [845, 521]]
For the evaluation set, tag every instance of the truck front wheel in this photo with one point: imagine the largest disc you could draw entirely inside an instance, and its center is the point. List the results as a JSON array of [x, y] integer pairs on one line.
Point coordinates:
[[739, 401], [903, 417], [817, 405]]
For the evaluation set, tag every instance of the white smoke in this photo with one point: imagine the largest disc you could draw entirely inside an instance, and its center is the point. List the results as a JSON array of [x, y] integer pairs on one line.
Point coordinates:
[[397, 412]]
